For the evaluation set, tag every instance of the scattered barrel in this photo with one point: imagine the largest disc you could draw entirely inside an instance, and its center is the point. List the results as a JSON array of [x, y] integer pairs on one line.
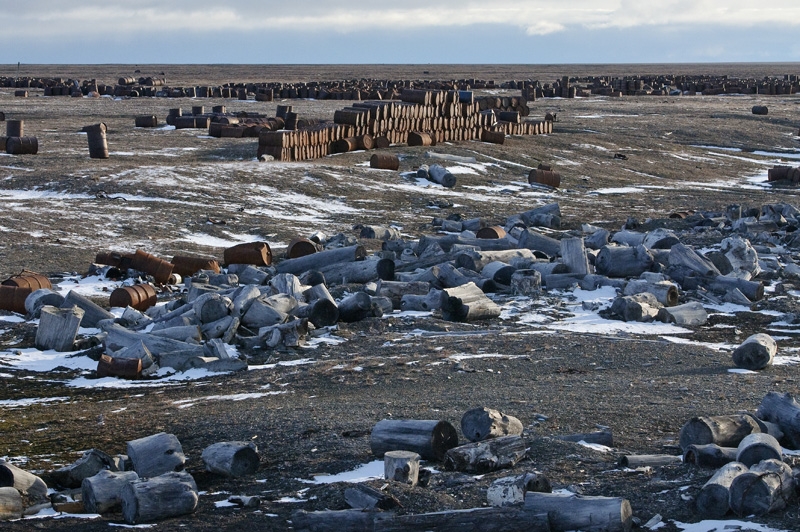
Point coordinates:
[[29, 280], [127, 80], [12, 298], [493, 137], [544, 177], [384, 161], [172, 115], [198, 110], [494, 231], [300, 247], [147, 263], [760, 110], [344, 145], [114, 258], [778, 173], [21, 93], [138, 296], [256, 253], [126, 368], [291, 120], [98, 145], [419, 138], [146, 121], [15, 128], [22, 145], [188, 266]]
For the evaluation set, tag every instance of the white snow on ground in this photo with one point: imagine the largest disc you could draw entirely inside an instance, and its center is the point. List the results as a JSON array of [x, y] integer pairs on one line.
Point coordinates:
[[721, 525], [369, 471]]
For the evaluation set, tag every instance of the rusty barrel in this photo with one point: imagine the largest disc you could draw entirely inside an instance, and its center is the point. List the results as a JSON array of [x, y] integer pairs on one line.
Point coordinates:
[[382, 142], [419, 138], [147, 263], [494, 231], [98, 145], [114, 258], [29, 280], [172, 115], [15, 128], [256, 253], [384, 161], [146, 121], [778, 173], [127, 368], [494, 137], [12, 298], [188, 266], [138, 296], [344, 145], [22, 93], [22, 145], [281, 111], [300, 247], [544, 177], [291, 120]]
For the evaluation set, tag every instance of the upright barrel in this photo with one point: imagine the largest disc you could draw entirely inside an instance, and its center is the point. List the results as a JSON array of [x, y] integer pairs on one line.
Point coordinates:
[[98, 144], [15, 128]]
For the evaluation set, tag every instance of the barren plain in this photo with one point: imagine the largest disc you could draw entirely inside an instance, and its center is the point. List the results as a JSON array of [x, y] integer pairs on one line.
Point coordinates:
[[171, 192]]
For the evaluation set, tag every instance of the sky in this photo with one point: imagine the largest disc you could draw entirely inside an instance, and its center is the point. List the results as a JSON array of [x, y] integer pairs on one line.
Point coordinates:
[[400, 32]]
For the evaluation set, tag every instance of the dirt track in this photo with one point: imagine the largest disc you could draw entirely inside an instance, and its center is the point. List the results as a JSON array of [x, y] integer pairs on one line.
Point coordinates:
[[178, 183]]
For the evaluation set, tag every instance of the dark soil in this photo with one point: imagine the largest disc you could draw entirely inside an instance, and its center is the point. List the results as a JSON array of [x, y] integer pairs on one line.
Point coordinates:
[[642, 387]]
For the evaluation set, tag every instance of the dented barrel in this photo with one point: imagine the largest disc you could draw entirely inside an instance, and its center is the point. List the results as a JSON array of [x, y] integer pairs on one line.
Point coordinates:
[[138, 296], [255, 253], [98, 144]]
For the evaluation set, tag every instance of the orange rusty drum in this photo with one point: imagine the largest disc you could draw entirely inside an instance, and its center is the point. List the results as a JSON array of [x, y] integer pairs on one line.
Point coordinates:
[[138, 296], [494, 231], [12, 298], [188, 266], [29, 280], [127, 368], [300, 247], [256, 253], [158, 268]]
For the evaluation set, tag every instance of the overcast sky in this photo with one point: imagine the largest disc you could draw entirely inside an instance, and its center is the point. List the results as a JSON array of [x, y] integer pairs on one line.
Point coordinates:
[[398, 31]]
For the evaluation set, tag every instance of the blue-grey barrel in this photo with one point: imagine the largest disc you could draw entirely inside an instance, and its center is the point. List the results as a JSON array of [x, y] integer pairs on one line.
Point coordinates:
[[15, 128]]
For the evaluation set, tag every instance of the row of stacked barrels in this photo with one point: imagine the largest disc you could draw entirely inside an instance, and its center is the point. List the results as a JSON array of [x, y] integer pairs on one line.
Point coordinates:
[[421, 117], [15, 142]]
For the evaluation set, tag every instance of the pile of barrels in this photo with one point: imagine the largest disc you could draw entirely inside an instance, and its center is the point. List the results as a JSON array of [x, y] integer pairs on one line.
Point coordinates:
[[15, 142], [420, 117]]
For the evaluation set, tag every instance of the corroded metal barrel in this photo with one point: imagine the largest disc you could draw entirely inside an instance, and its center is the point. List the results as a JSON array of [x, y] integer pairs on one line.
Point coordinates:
[[494, 231], [138, 296], [544, 177], [188, 266], [300, 247], [126, 368], [28, 279], [384, 161], [15, 128], [158, 268], [146, 121], [98, 144], [256, 253], [22, 145]]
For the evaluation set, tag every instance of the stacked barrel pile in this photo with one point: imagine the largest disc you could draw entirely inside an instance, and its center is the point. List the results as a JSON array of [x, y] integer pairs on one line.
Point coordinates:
[[421, 117]]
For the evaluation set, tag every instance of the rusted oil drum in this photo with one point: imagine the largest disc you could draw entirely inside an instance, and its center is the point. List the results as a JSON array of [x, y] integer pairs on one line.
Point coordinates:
[[98, 145], [291, 120], [382, 142], [127, 80], [509, 116], [494, 137], [21, 93], [188, 266], [22, 145], [384, 161], [198, 110], [281, 111], [15, 128], [158, 268], [12, 298], [344, 145], [146, 121], [419, 138], [127, 368], [172, 115], [365, 142], [256, 253], [300, 247], [494, 231], [29, 280], [139, 296], [114, 258], [544, 177], [778, 173]]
